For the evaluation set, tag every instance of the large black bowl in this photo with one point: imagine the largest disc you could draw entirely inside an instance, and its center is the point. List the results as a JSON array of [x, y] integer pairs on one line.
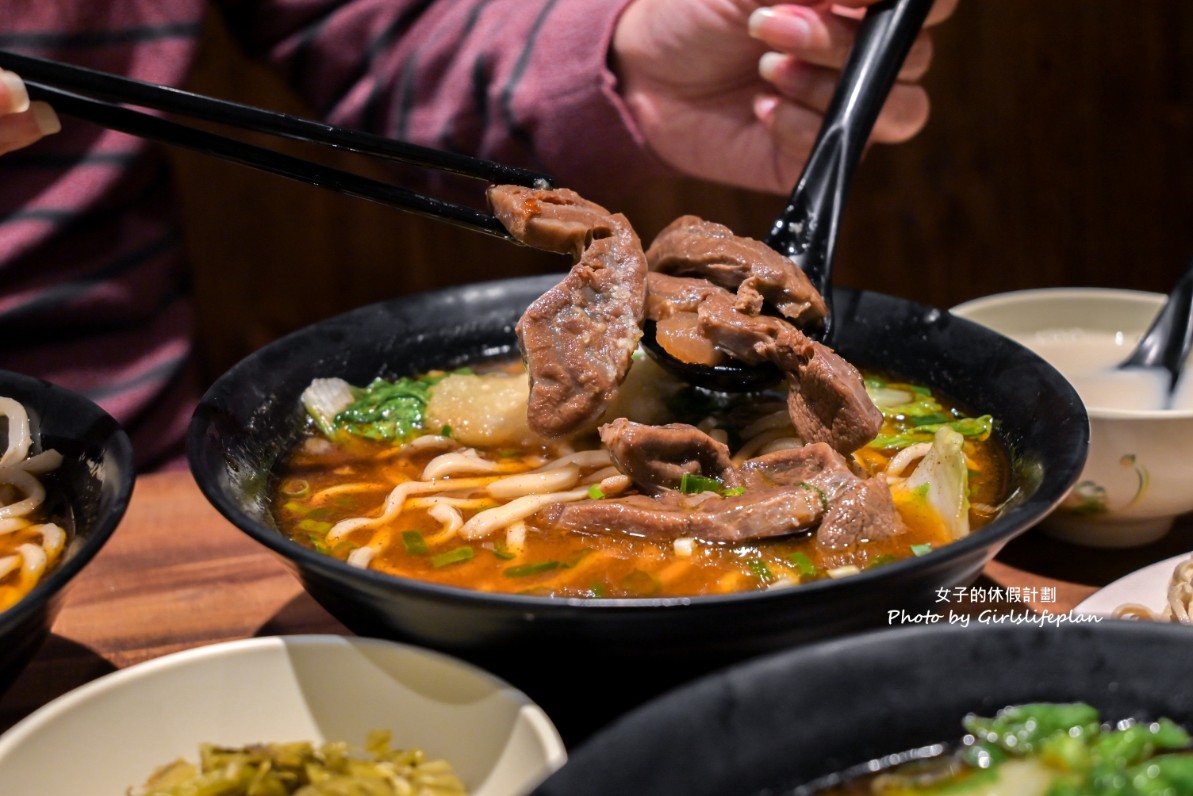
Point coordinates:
[[95, 479], [251, 416], [788, 719]]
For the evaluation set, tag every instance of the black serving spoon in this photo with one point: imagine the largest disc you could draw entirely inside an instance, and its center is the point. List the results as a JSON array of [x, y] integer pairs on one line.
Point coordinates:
[[806, 231], [1170, 337]]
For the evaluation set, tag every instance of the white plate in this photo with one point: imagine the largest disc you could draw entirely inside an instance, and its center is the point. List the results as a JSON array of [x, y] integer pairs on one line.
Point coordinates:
[[1147, 586], [113, 732]]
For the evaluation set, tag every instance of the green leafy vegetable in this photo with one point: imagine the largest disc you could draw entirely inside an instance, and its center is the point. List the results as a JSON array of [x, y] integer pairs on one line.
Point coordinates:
[[388, 410], [1061, 749]]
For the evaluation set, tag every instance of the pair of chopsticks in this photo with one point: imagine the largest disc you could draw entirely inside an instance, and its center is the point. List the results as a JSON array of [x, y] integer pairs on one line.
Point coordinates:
[[102, 98]]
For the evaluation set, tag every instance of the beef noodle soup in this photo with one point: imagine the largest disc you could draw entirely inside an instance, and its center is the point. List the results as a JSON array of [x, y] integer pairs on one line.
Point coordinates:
[[32, 534], [584, 471], [1033, 749], [439, 478]]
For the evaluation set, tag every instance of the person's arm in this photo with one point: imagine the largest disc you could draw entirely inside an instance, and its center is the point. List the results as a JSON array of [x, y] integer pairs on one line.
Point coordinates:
[[524, 82], [22, 122]]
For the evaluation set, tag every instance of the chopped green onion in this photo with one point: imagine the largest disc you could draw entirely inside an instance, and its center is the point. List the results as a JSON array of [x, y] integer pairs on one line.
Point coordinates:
[[414, 543], [760, 570], [446, 431], [315, 526], [921, 549], [818, 491], [595, 492], [502, 550], [454, 556], [802, 564], [694, 484], [525, 570]]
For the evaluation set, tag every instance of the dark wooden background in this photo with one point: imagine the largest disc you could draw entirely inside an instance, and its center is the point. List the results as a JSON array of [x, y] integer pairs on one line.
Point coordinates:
[[1059, 152]]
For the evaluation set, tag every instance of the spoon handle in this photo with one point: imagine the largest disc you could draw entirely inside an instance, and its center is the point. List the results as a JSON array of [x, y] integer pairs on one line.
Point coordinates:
[[1168, 340], [807, 229]]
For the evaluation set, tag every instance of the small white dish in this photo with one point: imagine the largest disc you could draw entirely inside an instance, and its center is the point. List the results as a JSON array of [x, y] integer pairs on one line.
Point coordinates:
[[112, 733], [1147, 587]]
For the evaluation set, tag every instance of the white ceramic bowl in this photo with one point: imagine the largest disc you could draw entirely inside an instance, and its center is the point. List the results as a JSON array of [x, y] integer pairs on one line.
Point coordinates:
[[112, 733], [1139, 474]]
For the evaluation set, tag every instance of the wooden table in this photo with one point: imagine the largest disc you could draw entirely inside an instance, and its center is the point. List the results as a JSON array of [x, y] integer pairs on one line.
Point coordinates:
[[177, 575]]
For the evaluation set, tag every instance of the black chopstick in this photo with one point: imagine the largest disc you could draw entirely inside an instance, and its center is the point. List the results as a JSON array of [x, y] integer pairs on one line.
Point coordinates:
[[60, 83]]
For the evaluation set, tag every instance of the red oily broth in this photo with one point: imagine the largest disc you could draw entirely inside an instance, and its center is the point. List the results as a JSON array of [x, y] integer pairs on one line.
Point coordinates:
[[323, 483]]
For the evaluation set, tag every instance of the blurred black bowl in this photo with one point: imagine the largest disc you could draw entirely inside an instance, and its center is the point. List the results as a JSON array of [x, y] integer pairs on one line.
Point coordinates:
[[627, 649], [95, 479], [788, 719]]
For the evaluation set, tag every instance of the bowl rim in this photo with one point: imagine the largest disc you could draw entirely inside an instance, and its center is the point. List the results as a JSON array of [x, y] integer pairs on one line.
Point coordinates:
[[120, 447], [1047, 295], [544, 732], [864, 652], [990, 538]]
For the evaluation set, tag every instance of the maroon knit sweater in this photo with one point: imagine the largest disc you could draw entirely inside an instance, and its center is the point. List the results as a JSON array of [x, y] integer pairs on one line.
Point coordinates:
[[93, 289]]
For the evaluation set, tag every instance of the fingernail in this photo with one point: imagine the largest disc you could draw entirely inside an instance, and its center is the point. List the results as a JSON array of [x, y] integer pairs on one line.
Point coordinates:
[[47, 120], [18, 95], [764, 106], [770, 66], [780, 27]]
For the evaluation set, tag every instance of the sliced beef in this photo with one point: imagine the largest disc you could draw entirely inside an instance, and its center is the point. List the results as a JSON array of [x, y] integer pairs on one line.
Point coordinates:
[[656, 458], [672, 515], [578, 338], [862, 511], [816, 463], [756, 273], [857, 508], [826, 395], [828, 402], [791, 491]]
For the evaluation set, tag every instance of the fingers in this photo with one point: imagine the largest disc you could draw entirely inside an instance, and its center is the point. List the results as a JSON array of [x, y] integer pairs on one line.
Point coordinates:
[[824, 39], [940, 11], [14, 98], [22, 122], [811, 87]]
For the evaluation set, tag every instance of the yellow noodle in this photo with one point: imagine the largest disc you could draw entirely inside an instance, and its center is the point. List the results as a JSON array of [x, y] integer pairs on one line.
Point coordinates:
[[353, 488]]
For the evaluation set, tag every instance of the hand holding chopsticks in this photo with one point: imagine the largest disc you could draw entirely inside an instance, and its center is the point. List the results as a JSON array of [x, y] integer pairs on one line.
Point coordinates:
[[102, 98]]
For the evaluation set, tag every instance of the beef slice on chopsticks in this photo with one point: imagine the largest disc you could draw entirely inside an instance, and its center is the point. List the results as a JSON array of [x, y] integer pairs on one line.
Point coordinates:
[[826, 395], [756, 274], [578, 338]]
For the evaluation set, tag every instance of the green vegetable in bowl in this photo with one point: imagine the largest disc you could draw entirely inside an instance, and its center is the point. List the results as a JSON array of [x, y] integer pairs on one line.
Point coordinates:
[[303, 769], [1046, 749]]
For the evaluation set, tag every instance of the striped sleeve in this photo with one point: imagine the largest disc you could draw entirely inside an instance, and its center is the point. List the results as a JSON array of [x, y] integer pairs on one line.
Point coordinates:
[[519, 81]]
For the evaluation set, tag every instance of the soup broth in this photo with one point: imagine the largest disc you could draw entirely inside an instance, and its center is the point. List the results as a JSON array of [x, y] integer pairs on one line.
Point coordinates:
[[337, 495], [1035, 749], [33, 524]]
